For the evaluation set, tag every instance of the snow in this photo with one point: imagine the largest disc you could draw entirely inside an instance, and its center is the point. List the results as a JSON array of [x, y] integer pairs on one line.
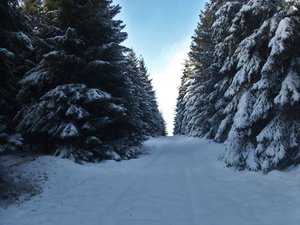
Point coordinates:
[[93, 140], [117, 108], [88, 127], [98, 63], [57, 93], [69, 131], [35, 78], [253, 6], [24, 39], [242, 117], [261, 107], [289, 90], [224, 124], [15, 140], [283, 33], [95, 95], [227, 7], [180, 182], [6, 53], [77, 112], [70, 35]]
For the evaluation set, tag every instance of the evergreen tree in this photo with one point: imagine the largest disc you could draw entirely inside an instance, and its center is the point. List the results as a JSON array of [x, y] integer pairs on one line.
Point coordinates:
[[143, 104], [33, 7], [152, 116], [265, 84], [74, 99], [250, 93], [15, 52], [181, 120], [137, 94], [194, 105], [220, 124]]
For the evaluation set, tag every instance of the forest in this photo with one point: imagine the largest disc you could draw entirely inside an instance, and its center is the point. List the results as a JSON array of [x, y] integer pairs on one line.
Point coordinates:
[[68, 86], [83, 140], [241, 82]]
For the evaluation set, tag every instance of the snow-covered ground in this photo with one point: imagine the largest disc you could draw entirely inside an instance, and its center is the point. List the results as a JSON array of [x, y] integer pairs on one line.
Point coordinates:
[[180, 182]]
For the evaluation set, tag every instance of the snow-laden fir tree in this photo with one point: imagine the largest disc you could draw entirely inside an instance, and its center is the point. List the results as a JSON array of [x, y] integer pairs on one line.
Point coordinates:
[[181, 126], [73, 101], [265, 86], [152, 116], [137, 93], [15, 59], [195, 101], [254, 102], [142, 103]]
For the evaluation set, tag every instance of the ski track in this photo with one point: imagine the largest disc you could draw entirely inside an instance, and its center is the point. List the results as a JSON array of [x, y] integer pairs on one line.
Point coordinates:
[[180, 182]]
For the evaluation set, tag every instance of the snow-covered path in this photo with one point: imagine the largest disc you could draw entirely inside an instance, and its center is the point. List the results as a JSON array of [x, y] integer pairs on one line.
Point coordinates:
[[180, 182]]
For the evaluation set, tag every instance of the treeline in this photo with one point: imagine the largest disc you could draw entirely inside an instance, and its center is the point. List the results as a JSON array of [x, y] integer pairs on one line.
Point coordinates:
[[67, 86], [241, 82]]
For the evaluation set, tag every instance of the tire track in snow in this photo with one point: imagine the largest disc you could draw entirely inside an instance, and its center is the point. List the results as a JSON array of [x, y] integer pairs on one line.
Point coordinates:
[[180, 182], [135, 186]]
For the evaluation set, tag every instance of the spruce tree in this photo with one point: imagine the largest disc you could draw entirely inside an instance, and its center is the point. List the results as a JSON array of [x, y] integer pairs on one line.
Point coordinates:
[[137, 94], [15, 58], [74, 99], [152, 116], [181, 126], [265, 83], [195, 101], [251, 90], [142, 102]]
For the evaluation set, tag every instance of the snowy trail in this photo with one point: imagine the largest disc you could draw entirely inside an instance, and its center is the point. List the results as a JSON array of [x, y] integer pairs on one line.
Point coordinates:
[[180, 182]]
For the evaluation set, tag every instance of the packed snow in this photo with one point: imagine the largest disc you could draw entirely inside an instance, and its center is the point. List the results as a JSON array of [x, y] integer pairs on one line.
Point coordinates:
[[180, 181]]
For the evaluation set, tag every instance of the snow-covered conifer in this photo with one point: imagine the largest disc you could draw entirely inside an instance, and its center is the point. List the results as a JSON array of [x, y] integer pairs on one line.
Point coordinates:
[[194, 104], [152, 116], [15, 58], [142, 101], [265, 85], [74, 100], [181, 127], [253, 99]]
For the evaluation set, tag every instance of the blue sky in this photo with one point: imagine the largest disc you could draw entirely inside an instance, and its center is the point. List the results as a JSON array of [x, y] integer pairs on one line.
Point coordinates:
[[160, 31]]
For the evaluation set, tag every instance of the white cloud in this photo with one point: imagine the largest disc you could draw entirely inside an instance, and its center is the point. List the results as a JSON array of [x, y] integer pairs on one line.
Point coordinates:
[[166, 72]]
